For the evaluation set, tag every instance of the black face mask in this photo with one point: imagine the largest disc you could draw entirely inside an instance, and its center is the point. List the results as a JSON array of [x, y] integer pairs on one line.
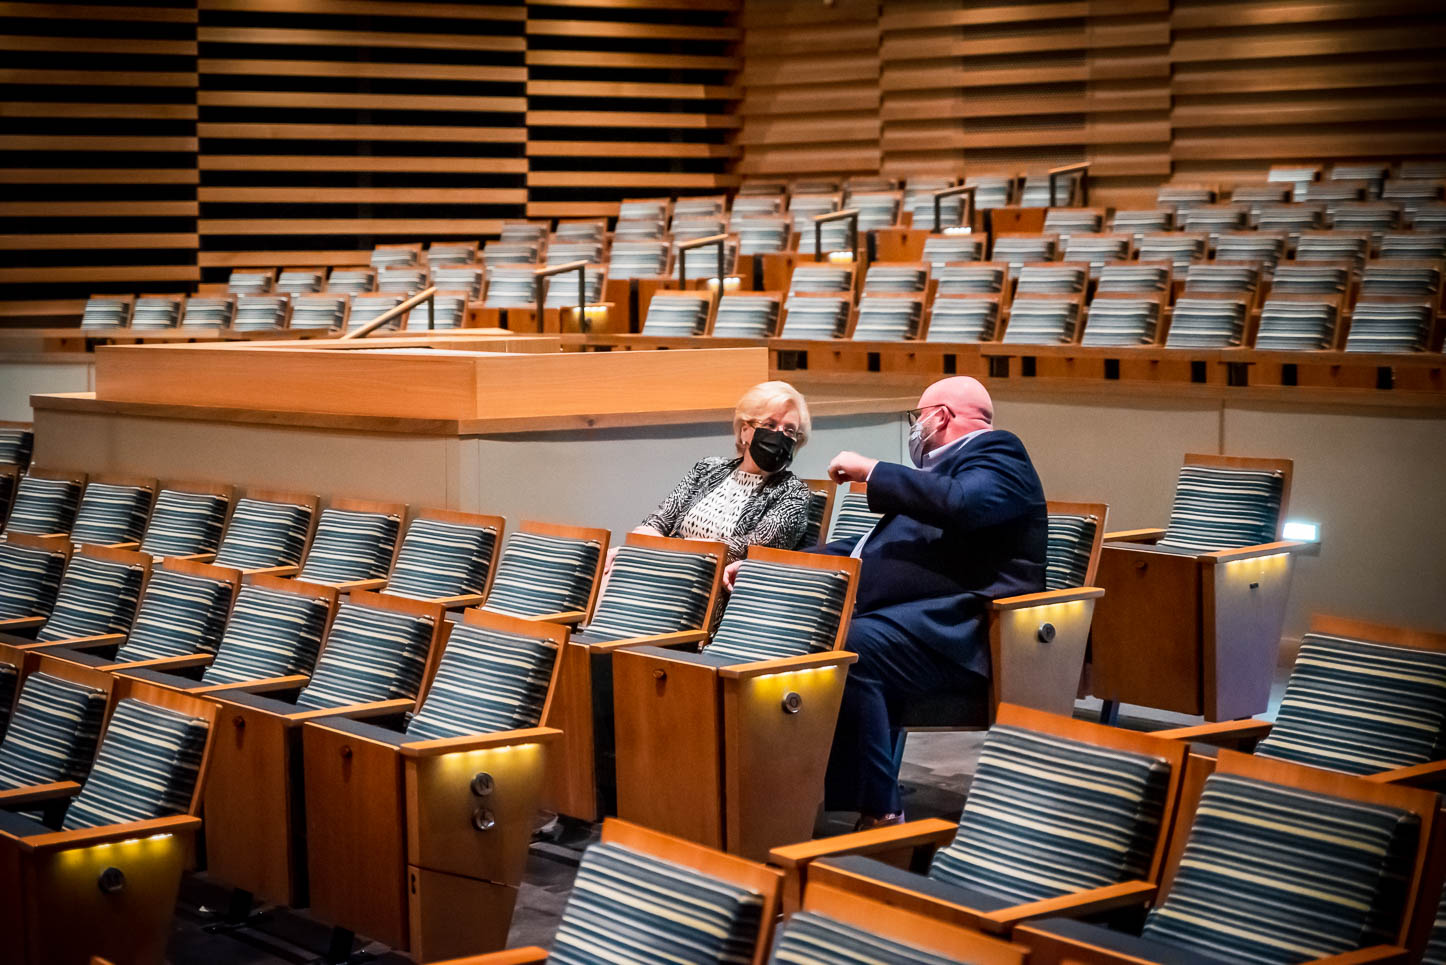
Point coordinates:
[[771, 450]]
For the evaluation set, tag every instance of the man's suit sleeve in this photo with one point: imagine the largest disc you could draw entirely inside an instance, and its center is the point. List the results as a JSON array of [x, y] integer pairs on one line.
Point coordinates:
[[839, 547], [996, 485]]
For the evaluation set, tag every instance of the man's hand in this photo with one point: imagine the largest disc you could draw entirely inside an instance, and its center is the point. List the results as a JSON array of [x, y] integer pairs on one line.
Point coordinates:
[[851, 467], [730, 574]]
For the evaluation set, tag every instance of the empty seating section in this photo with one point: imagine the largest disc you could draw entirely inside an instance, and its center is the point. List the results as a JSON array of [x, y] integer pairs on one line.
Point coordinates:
[[815, 316], [746, 316], [680, 314]]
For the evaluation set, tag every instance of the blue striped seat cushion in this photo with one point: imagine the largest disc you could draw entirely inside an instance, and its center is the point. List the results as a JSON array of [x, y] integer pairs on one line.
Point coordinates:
[[540, 574], [1068, 559], [185, 524], [813, 939], [96, 596], [1277, 874], [43, 506], [52, 734], [370, 655], [779, 611], [1360, 707], [264, 534], [351, 546], [441, 559], [110, 513], [1435, 953], [9, 675], [269, 634], [854, 517], [487, 681], [15, 446], [147, 767], [1048, 816], [179, 615], [29, 580], [653, 591], [628, 907], [1218, 509], [817, 503]]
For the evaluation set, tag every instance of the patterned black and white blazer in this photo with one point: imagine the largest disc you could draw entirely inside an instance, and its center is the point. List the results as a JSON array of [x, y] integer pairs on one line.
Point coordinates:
[[776, 515]]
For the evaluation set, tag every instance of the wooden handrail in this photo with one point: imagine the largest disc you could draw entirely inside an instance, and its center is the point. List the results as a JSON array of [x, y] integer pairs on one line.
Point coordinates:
[[966, 213], [720, 240], [852, 214], [578, 266], [425, 295]]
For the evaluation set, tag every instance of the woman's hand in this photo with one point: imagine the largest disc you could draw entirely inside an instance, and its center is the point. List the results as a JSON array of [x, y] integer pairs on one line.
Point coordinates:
[[730, 574]]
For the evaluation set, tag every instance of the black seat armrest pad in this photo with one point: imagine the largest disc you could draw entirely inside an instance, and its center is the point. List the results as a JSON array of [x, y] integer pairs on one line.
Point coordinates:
[[259, 701], [923, 884], [19, 639], [363, 728], [1121, 942], [82, 656], [159, 677], [21, 826], [687, 656]]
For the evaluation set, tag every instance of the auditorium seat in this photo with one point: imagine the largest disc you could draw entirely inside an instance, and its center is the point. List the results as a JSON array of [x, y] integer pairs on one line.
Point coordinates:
[[759, 235], [854, 516], [1042, 320], [367, 308], [1299, 176], [739, 733], [213, 314], [448, 310], [1291, 219], [113, 510], [355, 544], [1192, 614], [1179, 248], [327, 311], [1373, 217], [919, 202], [30, 574], [447, 557], [1180, 198], [566, 252], [549, 573], [1133, 279], [1338, 190], [1255, 196], [816, 316], [1275, 863], [877, 209], [187, 520], [991, 190], [511, 286], [45, 504], [1063, 816], [1374, 173], [395, 255], [108, 884], [17, 441], [262, 313], [747, 315], [1427, 169], [1412, 195], [301, 281], [561, 291], [352, 281], [251, 281], [97, 596], [154, 313], [1202, 322], [511, 252], [1265, 247], [940, 250], [638, 259], [1018, 249], [402, 279], [464, 279], [377, 656], [447, 253], [1385, 279], [1067, 222], [977, 278], [50, 742], [268, 533], [963, 318], [1142, 222], [1098, 250], [702, 263], [515, 232], [754, 206], [707, 206], [1300, 323], [678, 314], [1353, 247], [642, 229], [644, 209], [1311, 278], [385, 805], [891, 317], [1121, 320], [1055, 278], [1217, 278], [1212, 219], [821, 279], [803, 208], [1409, 245], [691, 228], [901, 277], [821, 496]]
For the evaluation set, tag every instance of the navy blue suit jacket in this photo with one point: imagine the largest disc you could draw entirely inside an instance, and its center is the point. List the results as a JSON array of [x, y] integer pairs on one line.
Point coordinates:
[[969, 530]]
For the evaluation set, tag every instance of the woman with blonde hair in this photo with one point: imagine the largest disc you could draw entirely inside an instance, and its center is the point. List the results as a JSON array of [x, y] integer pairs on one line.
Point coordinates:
[[751, 499]]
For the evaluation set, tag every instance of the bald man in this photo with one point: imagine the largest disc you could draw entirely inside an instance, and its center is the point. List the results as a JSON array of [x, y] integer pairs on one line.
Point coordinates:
[[966, 525]]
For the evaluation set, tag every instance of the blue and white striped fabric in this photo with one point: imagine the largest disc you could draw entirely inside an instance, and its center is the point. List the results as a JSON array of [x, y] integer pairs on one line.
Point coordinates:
[[29, 580], [1296, 326], [1206, 323], [1071, 538], [963, 320], [370, 655], [1041, 321], [15, 446], [96, 596], [1218, 508], [264, 534], [1051, 280], [111, 513], [653, 591], [888, 319], [270, 634], [813, 939], [1380, 326], [981, 279], [628, 908], [43, 506], [817, 505], [1121, 322], [745, 316], [185, 524], [179, 615], [147, 767], [1360, 707], [52, 733], [1047, 816], [779, 611], [350, 546], [678, 313], [884, 277], [815, 316], [487, 681], [541, 574], [1435, 953], [440, 559], [9, 676], [1274, 874], [854, 517]]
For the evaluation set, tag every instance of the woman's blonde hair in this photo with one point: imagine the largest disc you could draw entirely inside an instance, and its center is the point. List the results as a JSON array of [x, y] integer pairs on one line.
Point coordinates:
[[763, 397]]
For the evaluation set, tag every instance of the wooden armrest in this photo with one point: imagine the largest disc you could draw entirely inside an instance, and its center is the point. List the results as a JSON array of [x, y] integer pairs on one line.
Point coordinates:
[[1225, 733], [264, 686], [459, 602], [1047, 598], [678, 639], [24, 797], [1135, 536], [532, 955], [21, 623], [89, 643], [89, 837], [1254, 552], [349, 585], [187, 660], [806, 661], [196, 557], [379, 708], [479, 742], [1376, 953], [1091, 901], [572, 617], [273, 571], [133, 545], [1431, 776], [933, 832]]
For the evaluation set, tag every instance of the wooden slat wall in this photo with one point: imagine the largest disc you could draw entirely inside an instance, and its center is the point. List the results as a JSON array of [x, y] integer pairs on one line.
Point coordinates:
[[628, 98], [811, 88]]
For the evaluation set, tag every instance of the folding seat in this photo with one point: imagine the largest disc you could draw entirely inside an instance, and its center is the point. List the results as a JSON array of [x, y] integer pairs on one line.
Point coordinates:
[[562, 289], [445, 801], [1373, 172], [641, 229], [1036, 193], [447, 557], [1042, 320], [1301, 176], [46, 501], [821, 279], [1180, 198], [17, 441], [261, 313], [1017, 250], [9, 682], [187, 520], [1381, 326], [1178, 248], [1098, 250], [549, 573], [963, 318], [1297, 324], [30, 573], [511, 287], [9, 482], [514, 232], [107, 884], [816, 316], [877, 209], [268, 533], [50, 743], [251, 281], [301, 281], [979, 278], [1291, 219], [746, 316], [367, 308], [820, 511], [690, 228], [113, 511], [352, 281], [1266, 247], [465, 280], [711, 206], [1063, 816], [644, 209], [677, 314], [1224, 279], [1067, 222], [355, 544], [638, 259], [1338, 190], [1133, 279], [854, 517], [991, 190], [1142, 222], [1376, 217], [326, 312], [919, 201], [1412, 245], [512, 252], [1116, 320], [868, 184], [1207, 322], [941, 250], [888, 318], [441, 253], [1052, 279], [1353, 247], [759, 234], [1311, 279], [566, 252], [388, 256], [1192, 614], [1412, 195], [702, 263], [648, 897], [814, 186], [96, 597], [402, 279], [757, 705], [157, 312], [1256, 196], [1212, 219], [1279, 863], [106, 313], [209, 314], [1428, 170], [884, 277], [378, 654], [447, 311], [1402, 279], [757, 186], [802, 209]]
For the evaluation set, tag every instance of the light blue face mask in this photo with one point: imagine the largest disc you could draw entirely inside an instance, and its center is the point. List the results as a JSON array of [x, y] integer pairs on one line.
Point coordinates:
[[917, 440]]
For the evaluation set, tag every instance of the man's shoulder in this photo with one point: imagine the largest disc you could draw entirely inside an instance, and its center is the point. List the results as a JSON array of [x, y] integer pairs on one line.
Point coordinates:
[[992, 442]]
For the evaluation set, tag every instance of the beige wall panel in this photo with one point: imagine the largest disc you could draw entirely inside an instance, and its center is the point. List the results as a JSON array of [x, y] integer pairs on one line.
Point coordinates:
[[20, 380]]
